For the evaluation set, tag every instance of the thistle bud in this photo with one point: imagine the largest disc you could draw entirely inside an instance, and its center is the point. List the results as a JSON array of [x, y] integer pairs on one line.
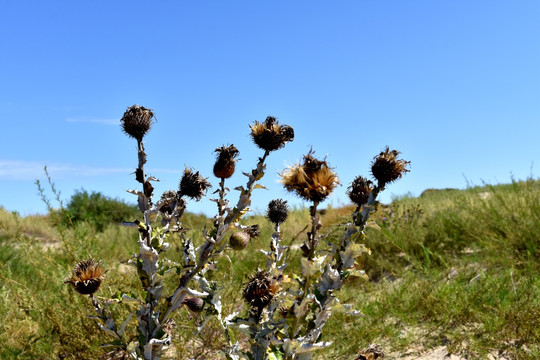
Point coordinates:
[[240, 239], [270, 135], [359, 190], [87, 277], [194, 304], [277, 211], [193, 184], [226, 161], [136, 121], [386, 167]]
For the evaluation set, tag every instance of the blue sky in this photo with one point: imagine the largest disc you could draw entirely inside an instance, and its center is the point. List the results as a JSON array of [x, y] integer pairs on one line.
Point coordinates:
[[454, 85]]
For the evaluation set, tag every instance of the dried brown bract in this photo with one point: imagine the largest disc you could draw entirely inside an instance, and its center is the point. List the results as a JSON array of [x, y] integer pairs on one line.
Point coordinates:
[[359, 190], [386, 167], [313, 180], [270, 135], [136, 121], [87, 277], [277, 211], [193, 185], [226, 161]]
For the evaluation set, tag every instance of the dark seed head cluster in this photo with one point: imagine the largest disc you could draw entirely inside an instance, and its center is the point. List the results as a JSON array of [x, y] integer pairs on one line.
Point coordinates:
[[136, 121], [193, 185], [270, 135], [278, 211], [386, 167]]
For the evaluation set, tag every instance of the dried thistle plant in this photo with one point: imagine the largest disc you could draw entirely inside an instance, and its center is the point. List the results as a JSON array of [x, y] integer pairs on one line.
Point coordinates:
[[286, 311]]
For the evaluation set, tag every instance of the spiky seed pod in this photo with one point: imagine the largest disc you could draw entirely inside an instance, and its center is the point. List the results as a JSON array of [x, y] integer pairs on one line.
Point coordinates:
[[359, 190], [136, 121], [226, 161], [260, 289], [270, 135], [386, 167], [239, 240], [313, 180], [87, 277], [194, 304], [193, 184], [277, 211]]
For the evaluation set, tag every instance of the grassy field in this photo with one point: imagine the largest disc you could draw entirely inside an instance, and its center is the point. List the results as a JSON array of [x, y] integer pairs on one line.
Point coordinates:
[[450, 268]]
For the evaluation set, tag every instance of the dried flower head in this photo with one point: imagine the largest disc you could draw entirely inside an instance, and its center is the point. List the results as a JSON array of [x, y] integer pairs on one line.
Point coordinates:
[[313, 180], [194, 304], [193, 184], [359, 190], [277, 211], [87, 277], [136, 121], [270, 135], [386, 167], [260, 289], [226, 161]]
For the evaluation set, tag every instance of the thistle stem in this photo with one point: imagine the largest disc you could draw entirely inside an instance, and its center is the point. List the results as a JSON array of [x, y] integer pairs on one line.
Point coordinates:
[[221, 200], [315, 225]]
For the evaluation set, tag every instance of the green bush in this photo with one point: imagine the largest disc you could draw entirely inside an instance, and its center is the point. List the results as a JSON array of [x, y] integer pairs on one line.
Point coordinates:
[[97, 210]]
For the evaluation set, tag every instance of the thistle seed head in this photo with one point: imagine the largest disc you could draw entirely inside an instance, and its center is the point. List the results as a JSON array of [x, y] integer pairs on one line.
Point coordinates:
[[313, 180], [226, 161], [270, 135], [87, 277], [386, 167], [136, 121], [260, 289], [193, 185], [359, 190], [277, 211], [194, 304]]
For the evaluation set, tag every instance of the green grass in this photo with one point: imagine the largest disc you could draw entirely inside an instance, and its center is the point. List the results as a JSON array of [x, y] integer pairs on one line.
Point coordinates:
[[450, 268]]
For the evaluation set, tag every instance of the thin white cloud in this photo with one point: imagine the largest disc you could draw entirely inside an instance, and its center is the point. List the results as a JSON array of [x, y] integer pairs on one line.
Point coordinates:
[[94, 121], [31, 170]]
